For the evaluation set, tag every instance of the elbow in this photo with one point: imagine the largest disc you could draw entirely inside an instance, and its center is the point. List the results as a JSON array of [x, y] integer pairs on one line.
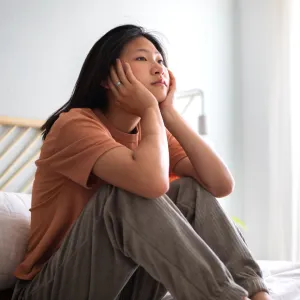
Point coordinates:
[[223, 190], [157, 188]]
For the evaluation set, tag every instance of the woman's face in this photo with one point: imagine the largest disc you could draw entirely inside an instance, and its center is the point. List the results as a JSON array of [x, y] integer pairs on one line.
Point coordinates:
[[147, 66]]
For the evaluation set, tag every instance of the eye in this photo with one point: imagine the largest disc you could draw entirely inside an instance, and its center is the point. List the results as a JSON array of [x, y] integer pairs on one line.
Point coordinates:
[[141, 58], [161, 61]]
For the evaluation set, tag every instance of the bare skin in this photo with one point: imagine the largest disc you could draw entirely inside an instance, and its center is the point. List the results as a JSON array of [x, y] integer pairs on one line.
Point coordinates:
[[259, 296]]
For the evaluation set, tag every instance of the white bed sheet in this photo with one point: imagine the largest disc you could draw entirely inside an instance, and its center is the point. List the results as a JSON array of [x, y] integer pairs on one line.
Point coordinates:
[[282, 279]]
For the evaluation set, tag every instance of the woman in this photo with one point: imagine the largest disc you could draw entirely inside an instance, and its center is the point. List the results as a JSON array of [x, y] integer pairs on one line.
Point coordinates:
[[106, 222]]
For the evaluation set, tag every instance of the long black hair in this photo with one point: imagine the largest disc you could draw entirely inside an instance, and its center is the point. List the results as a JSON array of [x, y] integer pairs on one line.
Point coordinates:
[[88, 92]]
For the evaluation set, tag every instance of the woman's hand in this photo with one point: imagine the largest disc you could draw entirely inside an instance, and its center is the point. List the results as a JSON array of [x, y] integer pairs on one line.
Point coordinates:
[[130, 94], [167, 104]]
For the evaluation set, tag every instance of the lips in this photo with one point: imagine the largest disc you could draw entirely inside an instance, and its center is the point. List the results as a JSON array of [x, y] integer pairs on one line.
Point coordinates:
[[160, 81]]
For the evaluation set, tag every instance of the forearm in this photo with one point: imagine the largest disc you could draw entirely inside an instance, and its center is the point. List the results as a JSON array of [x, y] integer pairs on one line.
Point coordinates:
[[152, 152], [209, 167]]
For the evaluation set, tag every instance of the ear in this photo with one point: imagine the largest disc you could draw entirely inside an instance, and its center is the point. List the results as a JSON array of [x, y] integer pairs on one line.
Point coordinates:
[[105, 84]]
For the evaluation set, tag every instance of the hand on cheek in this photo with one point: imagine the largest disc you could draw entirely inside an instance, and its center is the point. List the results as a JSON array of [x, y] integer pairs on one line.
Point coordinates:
[[168, 102]]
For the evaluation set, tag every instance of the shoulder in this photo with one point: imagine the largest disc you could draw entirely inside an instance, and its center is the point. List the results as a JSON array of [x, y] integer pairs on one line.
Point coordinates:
[[78, 120], [76, 125], [77, 116]]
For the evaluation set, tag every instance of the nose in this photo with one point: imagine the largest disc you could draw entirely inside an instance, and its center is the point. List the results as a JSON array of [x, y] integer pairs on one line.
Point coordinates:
[[157, 69]]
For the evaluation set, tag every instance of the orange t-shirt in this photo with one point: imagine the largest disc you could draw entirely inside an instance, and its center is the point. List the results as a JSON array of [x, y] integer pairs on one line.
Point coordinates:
[[64, 182]]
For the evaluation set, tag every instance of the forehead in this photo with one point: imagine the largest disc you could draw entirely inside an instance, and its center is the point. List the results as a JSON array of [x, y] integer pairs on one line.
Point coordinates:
[[137, 44]]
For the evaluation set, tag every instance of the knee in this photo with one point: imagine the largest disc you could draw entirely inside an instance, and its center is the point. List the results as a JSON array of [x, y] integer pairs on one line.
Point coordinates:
[[188, 183], [120, 200], [188, 188]]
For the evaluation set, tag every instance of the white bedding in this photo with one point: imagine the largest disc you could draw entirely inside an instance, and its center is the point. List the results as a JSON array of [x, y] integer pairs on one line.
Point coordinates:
[[282, 278]]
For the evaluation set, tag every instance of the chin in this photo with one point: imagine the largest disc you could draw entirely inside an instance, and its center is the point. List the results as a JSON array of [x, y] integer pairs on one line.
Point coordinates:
[[160, 100], [160, 96]]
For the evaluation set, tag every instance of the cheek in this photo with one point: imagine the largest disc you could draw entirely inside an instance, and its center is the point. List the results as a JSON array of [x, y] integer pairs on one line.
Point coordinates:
[[138, 71], [141, 72]]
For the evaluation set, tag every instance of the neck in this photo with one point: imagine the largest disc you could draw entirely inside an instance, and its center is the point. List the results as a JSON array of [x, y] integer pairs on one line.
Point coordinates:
[[121, 119]]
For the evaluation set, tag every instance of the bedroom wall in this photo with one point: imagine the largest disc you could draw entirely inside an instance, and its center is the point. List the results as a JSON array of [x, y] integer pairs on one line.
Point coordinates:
[[44, 43]]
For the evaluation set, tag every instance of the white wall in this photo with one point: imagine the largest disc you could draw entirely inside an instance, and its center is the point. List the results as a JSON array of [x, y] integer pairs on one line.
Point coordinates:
[[44, 43]]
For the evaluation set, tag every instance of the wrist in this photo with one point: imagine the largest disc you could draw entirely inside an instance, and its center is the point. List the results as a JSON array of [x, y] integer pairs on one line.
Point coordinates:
[[151, 108], [169, 115]]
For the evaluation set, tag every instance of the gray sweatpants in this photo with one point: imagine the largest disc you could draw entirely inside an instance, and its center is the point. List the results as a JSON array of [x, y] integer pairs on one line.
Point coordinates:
[[126, 247]]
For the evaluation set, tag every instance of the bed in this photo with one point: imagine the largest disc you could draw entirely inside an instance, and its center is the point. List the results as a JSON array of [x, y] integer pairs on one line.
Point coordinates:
[[20, 143]]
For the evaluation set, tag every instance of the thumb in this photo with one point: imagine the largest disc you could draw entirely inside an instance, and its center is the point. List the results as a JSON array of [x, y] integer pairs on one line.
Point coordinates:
[[172, 86]]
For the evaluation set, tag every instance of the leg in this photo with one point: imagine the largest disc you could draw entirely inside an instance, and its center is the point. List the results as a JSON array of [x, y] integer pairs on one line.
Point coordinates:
[[208, 219], [88, 266], [116, 233], [141, 286]]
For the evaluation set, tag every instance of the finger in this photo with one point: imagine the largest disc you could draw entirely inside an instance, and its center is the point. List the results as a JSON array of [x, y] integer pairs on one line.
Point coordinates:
[[131, 78], [114, 76], [121, 73], [172, 79], [172, 85], [112, 87]]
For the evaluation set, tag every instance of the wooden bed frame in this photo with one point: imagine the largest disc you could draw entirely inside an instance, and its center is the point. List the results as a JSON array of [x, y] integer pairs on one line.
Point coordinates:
[[18, 129]]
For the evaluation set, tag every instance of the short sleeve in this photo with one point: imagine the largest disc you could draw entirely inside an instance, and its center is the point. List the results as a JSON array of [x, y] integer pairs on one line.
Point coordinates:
[[79, 140], [176, 152]]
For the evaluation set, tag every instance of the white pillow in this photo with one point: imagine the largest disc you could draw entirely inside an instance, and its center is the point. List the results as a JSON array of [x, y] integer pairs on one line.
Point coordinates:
[[14, 233]]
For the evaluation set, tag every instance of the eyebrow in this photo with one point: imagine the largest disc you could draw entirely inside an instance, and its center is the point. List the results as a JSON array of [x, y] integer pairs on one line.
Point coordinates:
[[147, 51]]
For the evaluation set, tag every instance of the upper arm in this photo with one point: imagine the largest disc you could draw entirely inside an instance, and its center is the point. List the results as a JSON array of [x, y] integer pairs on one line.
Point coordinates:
[[184, 168], [84, 146], [119, 168]]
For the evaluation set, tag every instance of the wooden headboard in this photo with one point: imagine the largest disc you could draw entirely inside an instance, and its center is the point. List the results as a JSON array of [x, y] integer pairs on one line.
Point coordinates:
[[20, 142]]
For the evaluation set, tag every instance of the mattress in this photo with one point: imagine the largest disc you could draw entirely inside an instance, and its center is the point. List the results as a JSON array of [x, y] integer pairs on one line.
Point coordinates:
[[282, 279]]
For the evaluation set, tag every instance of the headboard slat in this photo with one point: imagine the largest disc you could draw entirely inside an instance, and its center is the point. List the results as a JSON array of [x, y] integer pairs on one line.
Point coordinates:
[[9, 147], [20, 141], [7, 133], [19, 122], [26, 186], [24, 151], [12, 177]]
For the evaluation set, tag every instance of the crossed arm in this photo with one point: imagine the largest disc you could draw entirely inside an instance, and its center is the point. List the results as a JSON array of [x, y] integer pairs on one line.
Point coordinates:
[[201, 163]]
